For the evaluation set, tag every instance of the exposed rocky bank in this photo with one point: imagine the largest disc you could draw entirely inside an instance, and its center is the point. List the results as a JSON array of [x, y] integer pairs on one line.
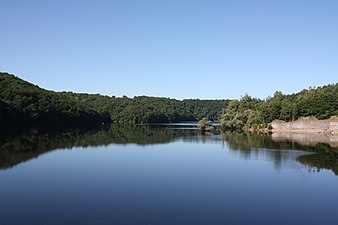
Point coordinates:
[[307, 125]]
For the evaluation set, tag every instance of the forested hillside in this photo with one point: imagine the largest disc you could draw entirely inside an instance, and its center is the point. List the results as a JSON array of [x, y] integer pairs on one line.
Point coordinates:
[[23, 102], [143, 109], [249, 112]]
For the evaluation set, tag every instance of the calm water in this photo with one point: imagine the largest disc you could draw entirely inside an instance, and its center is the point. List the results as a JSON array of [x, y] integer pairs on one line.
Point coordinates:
[[161, 175]]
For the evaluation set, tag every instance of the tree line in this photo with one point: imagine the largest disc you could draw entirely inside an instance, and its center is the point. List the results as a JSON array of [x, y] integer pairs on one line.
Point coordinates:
[[144, 109], [253, 113], [24, 103]]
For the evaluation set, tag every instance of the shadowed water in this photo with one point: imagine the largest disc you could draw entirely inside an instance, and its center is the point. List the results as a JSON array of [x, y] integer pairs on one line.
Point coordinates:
[[164, 175]]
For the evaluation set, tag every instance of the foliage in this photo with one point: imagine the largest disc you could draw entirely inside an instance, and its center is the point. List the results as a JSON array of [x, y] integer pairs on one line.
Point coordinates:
[[205, 125], [21, 102], [144, 109], [248, 112]]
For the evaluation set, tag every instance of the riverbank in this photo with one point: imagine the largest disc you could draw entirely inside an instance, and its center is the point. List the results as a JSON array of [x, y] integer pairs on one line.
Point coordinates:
[[309, 125]]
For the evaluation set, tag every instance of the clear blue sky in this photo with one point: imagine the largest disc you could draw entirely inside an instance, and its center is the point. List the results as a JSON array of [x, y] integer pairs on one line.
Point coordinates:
[[173, 48]]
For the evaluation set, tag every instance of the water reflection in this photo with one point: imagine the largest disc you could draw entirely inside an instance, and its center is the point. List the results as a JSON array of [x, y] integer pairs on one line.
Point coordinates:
[[326, 147], [254, 146], [18, 147], [309, 139]]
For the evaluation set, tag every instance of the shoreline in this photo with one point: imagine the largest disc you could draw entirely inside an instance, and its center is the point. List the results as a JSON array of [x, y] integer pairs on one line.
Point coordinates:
[[307, 125]]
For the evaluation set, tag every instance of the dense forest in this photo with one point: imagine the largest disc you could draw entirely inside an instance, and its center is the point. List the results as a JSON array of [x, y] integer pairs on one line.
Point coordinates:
[[143, 109], [254, 113], [25, 103], [22, 102]]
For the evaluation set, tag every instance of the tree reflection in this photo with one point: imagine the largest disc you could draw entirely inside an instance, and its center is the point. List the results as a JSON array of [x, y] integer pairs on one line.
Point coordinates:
[[253, 145], [19, 146]]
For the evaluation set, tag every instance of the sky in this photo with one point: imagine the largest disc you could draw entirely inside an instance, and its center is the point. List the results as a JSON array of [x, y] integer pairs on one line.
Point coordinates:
[[206, 49]]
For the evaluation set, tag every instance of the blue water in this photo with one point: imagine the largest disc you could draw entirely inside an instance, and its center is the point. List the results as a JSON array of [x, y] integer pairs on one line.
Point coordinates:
[[192, 179]]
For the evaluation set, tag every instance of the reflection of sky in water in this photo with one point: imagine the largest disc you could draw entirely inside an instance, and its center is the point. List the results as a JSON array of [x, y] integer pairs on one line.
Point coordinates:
[[282, 157], [180, 182]]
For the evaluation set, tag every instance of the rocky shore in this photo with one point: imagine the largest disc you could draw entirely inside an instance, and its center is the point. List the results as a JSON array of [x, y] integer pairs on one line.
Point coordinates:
[[307, 125]]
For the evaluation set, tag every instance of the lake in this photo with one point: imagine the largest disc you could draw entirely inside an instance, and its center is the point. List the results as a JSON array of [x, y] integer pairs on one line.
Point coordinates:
[[165, 175]]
